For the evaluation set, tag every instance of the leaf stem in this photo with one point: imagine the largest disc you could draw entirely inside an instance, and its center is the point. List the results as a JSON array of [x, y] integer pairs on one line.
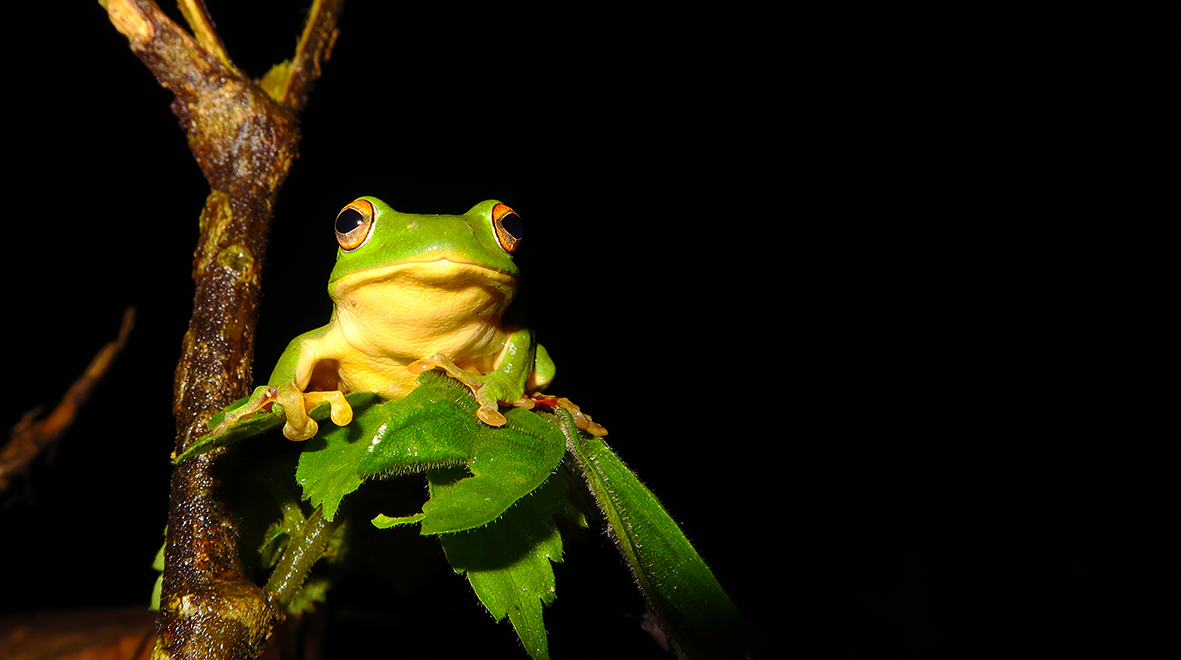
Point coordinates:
[[304, 549]]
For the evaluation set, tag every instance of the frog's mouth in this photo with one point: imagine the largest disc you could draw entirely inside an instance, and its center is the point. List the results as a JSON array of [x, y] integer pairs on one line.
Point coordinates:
[[428, 275]]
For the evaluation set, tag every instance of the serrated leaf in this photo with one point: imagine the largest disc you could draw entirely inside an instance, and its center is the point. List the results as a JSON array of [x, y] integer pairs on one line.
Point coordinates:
[[436, 426], [430, 427], [422, 430], [508, 562], [433, 426], [506, 464], [327, 465]]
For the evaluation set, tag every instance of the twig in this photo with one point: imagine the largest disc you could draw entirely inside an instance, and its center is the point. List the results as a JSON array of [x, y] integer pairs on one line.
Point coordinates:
[[30, 436]]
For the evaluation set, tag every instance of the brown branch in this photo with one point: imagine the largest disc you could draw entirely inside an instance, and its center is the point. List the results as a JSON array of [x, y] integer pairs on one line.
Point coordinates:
[[29, 437], [290, 81], [244, 137], [201, 23]]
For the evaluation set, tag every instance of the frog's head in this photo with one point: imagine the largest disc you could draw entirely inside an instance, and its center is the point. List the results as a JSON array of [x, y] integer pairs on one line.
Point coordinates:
[[380, 247]]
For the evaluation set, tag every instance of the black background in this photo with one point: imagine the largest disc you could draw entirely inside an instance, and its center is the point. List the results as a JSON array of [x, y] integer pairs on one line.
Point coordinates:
[[849, 289]]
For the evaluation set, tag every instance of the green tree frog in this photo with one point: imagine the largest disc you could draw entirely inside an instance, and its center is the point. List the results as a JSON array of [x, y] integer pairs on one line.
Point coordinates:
[[412, 293]]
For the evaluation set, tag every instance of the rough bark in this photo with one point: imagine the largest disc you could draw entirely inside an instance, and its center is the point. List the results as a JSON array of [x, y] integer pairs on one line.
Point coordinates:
[[244, 136]]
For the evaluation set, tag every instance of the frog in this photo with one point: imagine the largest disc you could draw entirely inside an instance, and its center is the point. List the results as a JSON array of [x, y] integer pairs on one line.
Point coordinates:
[[412, 293]]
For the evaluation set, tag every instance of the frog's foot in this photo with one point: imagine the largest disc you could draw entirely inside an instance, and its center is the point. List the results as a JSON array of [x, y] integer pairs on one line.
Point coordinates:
[[260, 399], [295, 406], [341, 412], [300, 426], [488, 390], [581, 419]]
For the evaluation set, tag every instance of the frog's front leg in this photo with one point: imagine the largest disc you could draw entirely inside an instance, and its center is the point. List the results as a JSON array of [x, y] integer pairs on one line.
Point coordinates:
[[299, 426], [506, 384], [489, 390], [296, 404], [294, 373], [260, 399]]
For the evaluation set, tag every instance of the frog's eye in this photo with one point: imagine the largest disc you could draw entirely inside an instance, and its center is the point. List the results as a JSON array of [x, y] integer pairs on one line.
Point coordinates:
[[353, 224], [510, 231]]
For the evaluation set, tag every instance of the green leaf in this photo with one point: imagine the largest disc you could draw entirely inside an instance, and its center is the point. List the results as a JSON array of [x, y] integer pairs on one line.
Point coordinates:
[[436, 426], [251, 426], [313, 591], [508, 562], [382, 521], [158, 562], [260, 422], [683, 593], [157, 589], [433, 426], [158, 565], [425, 429], [327, 465], [506, 464]]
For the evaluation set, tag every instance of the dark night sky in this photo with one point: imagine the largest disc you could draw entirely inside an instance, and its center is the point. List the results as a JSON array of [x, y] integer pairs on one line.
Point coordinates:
[[844, 289]]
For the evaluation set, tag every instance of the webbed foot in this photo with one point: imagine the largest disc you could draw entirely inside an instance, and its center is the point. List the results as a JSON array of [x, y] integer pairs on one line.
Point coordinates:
[[581, 419], [298, 426], [260, 399], [489, 390]]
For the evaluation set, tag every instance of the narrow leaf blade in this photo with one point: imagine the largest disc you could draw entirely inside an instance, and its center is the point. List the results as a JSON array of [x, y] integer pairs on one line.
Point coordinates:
[[682, 591]]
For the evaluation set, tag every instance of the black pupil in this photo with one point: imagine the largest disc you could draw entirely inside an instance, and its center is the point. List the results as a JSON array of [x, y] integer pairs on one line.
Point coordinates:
[[348, 220], [513, 225]]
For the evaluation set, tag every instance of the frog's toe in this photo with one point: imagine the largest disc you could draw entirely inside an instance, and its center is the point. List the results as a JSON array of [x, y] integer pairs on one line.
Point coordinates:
[[341, 412], [433, 362], [594, 428], [489, 389], [419, 366], [342, 415], [440, 361], [524, 402], [300, 433], [581, 419], [491, 417], [260, 399]]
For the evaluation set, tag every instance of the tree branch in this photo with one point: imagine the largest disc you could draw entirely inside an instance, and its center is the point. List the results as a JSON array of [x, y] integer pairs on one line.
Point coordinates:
[[197, 16], [244, 137], [295, 76], [30, 436]]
